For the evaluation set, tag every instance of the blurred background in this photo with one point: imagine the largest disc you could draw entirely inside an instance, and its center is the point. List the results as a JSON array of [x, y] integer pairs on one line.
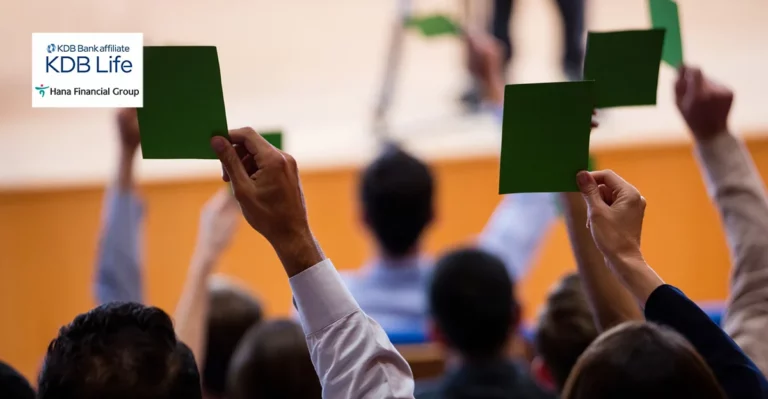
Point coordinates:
[[314, 69]]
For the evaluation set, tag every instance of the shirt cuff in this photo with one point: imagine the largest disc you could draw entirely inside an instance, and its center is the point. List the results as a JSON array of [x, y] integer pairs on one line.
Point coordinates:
[[321, 297]]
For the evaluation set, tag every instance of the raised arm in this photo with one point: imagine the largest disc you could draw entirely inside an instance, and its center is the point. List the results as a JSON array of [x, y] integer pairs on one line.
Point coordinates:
[[611, 303], [218, 224], [739, 195], [350, 352], [118, 263], [616, 211]]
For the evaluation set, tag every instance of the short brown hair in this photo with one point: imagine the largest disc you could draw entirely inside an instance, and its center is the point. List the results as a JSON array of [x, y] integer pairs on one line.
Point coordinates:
[[232, 311], [272, 361], [565, 329], [637, 360]]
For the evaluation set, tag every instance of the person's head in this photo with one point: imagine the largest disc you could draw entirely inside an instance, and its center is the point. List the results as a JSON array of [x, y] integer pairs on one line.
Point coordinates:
[[13, 385], [565, 330], [396, 192], [271, 362], [472, 302], [119, 351], [232, 311], [637, 360]]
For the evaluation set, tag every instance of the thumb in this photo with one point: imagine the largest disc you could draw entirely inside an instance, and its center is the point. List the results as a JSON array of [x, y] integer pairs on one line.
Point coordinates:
[[589, 189], [230, 161]]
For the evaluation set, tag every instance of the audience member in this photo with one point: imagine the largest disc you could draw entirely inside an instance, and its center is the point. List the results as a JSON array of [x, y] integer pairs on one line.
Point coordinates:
[[616, 211], [213, 312], [13, 385], [737, 190], [272, 362], [350, 352], [638, 360], [565, 329], [119, 351], [476, 314]]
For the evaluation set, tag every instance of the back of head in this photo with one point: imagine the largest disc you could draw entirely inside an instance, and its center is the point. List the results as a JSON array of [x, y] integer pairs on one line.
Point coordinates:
[[472, 301], [272, 361], [13, 385], [566, 328], [119, 351], [641, 360], [396, 192], [232, 311]]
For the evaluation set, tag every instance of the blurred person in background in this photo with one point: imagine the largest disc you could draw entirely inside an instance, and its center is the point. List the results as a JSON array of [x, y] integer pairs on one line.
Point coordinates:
[[120, 350], [564, 330], [213, 314], [272, 362], [13, 385], [475, 315], [572, 18]]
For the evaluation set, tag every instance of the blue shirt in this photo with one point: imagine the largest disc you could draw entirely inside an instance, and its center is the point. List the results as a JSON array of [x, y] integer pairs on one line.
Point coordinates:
[[118, 262]]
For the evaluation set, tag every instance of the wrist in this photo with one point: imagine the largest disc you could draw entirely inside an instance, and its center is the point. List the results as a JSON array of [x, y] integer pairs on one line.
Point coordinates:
[[298, 251]]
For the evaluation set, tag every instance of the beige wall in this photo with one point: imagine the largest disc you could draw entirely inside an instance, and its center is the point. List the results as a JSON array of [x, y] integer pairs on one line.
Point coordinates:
[[313, 67]]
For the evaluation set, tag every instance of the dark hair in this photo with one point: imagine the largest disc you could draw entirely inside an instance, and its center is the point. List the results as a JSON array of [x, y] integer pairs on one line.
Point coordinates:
[[472, 301], [396, 191], [272, 362], [566, 328], [637, 360], [232, 311], [13, 385], [119, 351]]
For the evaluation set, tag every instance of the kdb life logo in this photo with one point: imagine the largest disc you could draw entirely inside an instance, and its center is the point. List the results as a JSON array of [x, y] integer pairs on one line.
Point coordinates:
[[87, 70]]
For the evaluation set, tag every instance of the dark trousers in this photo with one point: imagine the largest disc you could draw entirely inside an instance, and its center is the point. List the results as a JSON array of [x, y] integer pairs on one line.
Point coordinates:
[[572, 14]]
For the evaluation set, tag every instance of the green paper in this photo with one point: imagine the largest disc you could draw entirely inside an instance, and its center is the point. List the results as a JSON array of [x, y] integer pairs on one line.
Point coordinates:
[[591, 166], [434, 25], [183, 103], [545, 136], [624, 66], [665, 15], [275, 138]]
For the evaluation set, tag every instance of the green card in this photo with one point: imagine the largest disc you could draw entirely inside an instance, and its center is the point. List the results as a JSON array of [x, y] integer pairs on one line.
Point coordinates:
[[275, 137], [665, 15], [591, 166], [183, 103], [545, 136], [434, 25], [624, 66]]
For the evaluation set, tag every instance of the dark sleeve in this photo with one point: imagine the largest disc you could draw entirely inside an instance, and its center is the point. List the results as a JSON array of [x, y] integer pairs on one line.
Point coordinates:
[[737, 374]]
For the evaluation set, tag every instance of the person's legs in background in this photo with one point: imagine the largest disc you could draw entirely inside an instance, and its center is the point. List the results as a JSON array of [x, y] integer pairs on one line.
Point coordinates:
[[572, 13]]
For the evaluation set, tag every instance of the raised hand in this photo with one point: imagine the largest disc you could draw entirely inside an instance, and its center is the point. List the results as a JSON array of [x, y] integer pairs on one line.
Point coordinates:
[[704, 103], [218, 223], [484, 62], [265, 182], [128, 126], [615, 210]]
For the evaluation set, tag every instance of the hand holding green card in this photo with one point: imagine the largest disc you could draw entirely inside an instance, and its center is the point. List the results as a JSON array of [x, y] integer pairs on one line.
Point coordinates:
[[183, 103], [665, 15], [545, 136], [274, 137], [434, 25], [624, 66]]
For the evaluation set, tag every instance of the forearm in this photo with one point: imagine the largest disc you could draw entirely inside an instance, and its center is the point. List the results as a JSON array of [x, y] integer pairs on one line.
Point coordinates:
[[635, 274], [124, 180], [739, 195], [118, 260], [192, 309], [611, 303]]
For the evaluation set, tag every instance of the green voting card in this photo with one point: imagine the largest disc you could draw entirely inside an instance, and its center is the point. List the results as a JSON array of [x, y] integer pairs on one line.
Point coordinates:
[[434, 25], [545, 136], [665, 15], [591, 166], [274, 137], [624, 66], [183, 103]]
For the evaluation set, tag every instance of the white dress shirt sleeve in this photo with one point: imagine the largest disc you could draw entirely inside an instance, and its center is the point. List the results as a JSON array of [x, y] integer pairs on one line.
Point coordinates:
[[351, 353]]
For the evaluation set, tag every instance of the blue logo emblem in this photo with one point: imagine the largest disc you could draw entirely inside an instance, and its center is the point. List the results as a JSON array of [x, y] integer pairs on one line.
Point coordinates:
[[51, 48]]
